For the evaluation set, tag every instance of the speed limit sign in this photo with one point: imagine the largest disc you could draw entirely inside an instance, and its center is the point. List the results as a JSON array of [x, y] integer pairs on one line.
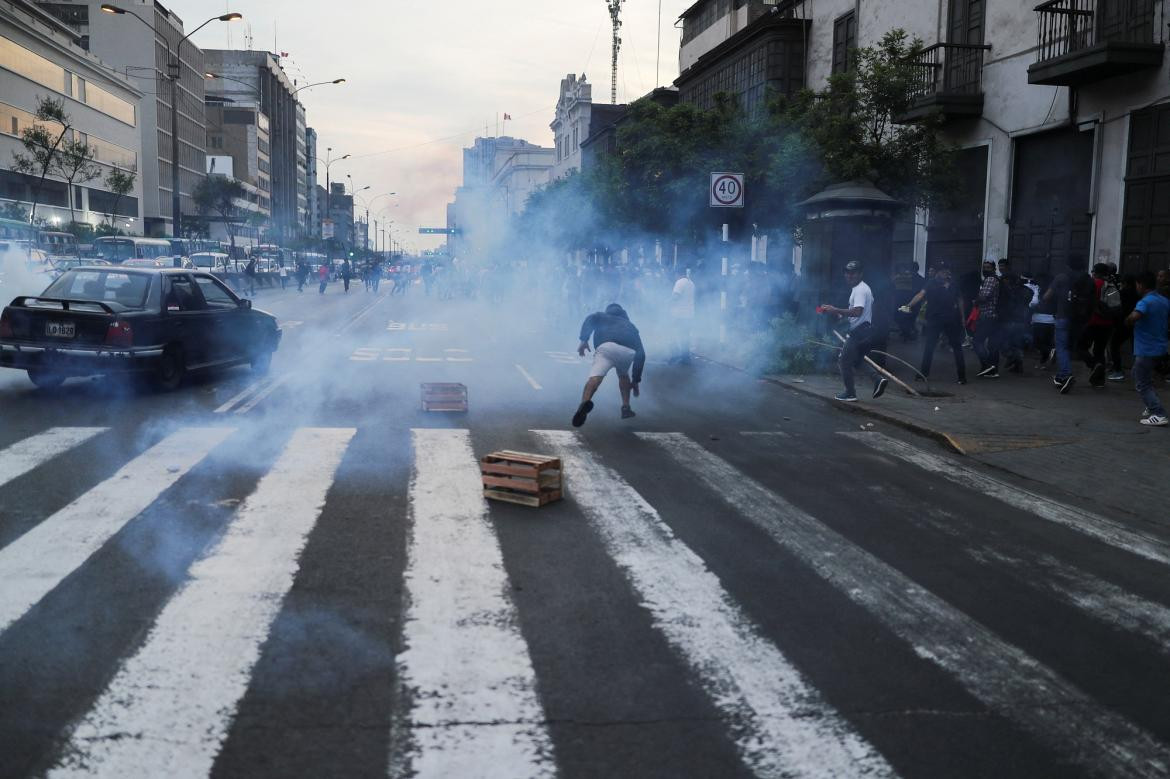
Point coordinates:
[[726, 190]]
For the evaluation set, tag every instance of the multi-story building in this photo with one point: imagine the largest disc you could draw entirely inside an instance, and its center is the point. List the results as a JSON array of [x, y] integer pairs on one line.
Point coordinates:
[[144, 53], [302, 163], [313, 215], [608, 119], [41, 57], [322, 199], [256, 78], [340, 206], [238, 147], [1061, 113], [577, 116], [498, 176]]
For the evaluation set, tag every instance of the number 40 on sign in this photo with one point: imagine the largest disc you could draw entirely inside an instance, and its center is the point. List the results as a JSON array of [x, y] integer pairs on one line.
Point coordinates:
[[726, 190]]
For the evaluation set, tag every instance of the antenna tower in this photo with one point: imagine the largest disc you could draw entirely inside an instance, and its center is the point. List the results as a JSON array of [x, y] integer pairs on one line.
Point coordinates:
[[615, 10]]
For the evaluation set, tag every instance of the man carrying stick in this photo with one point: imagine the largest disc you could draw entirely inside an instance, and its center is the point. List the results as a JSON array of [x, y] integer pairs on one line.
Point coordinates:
[[860, 316]]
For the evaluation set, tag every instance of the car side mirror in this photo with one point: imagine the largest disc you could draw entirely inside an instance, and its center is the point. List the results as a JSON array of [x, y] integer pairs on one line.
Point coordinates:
[[245, 303]]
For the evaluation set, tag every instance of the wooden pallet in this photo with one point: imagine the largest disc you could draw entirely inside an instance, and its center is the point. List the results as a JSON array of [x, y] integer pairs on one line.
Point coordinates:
[[519, 477], [443, 396]]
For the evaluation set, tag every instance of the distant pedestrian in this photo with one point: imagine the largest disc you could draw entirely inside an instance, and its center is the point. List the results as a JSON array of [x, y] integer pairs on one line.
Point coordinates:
[[323, 278], [861, 336], [1098, 331], [346, 275], [250, 276], [682, 317], [944, 316], [1043, 320], [617, 345], [376, 276], [1072, 292], [987, 329], [1149, 319], [302, 276], [283, 278]]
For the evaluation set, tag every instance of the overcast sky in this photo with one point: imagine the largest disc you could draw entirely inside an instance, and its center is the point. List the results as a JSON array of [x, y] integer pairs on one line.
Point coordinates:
[[424, 78]]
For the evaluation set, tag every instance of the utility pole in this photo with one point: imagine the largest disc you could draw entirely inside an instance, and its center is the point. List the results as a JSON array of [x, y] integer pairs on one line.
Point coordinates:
[[615, 10]]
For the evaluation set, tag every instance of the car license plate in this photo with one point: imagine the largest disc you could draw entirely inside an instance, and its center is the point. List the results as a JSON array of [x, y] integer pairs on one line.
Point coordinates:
[[60, 329]]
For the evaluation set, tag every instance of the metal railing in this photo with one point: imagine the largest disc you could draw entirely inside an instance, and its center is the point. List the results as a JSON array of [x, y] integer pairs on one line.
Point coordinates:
[[948, 68], [1068, 26]]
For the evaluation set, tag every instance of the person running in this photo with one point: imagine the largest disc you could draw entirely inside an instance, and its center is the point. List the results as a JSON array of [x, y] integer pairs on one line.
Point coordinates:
[[250, 276], [346, 275], [323, 278], [1149, 321], [860, 315], [987, 326], [302, 276], [944, 316], [617, 345]]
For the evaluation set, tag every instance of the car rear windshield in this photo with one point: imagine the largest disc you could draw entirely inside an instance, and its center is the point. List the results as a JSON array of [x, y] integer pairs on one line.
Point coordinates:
[[107, 286]]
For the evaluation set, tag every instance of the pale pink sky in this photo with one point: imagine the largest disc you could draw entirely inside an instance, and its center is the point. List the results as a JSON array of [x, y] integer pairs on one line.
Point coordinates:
[[424, 78]]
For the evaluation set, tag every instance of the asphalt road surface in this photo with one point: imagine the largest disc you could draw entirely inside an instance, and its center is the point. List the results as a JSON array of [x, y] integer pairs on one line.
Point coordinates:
[[297, 576]]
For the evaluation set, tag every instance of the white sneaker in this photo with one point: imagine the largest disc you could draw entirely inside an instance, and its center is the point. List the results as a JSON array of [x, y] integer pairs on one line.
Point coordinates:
[[1153, 420]]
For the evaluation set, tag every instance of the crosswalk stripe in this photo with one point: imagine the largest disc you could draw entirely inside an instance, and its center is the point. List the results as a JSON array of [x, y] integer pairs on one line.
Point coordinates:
[[782, 727], [36, 562], [474, 709], [168, 709], [1109, 531], [24, 456], [1002, 676], [1100, 599]]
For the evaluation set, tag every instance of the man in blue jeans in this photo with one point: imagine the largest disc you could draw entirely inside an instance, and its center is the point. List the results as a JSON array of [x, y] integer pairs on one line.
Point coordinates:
[[1149, 320]]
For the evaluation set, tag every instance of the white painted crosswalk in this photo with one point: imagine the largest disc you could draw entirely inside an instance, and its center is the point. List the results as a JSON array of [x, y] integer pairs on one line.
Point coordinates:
[[168, 709], [468, 697]]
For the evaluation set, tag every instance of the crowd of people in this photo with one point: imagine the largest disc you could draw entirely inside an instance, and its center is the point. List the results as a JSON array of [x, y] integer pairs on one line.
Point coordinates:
[[1100, 318]]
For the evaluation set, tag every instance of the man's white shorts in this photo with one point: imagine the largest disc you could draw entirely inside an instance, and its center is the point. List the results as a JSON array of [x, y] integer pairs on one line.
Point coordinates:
[[610, 355]]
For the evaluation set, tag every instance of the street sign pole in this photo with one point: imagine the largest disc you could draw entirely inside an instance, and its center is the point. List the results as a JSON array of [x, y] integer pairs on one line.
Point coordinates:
[[726, 191]]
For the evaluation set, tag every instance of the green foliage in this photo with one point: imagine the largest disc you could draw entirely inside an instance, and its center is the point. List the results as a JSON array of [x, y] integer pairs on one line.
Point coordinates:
[[107, 229], [853, 123], [120, 183], [788, 348], [75, 164], [14, 211], [41, 144], [218, 194], [656, 181]]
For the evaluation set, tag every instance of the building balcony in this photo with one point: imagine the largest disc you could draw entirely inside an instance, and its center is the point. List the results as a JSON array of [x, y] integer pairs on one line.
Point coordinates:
[[1081, 41], [949, 83]]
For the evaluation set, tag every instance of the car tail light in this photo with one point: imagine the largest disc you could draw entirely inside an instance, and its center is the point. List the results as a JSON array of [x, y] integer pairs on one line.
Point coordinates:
[[6, 324], [120, 334]]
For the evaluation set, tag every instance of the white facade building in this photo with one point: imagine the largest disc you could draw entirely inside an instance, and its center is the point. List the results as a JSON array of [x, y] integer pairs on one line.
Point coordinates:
[[40, 57], [1061, 112], [571, 125]]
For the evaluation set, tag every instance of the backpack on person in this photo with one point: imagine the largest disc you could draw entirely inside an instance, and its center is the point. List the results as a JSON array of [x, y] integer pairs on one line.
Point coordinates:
[[1110, 299]]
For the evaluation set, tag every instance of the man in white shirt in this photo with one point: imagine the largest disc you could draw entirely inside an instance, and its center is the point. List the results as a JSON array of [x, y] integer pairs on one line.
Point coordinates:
[[860, 316], [682, 315]]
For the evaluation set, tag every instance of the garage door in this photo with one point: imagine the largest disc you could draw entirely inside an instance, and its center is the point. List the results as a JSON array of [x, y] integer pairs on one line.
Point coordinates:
[[1145, 226]]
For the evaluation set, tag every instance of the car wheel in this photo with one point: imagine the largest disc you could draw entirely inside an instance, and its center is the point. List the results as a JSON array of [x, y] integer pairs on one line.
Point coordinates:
[[171, 369], [45, 379], [262, 362]]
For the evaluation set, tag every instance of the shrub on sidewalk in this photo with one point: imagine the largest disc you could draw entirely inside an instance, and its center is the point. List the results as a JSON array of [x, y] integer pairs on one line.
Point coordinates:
[[788, 348]]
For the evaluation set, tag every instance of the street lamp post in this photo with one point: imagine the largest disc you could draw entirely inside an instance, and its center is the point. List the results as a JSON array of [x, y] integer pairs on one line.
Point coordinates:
[[174, 68]]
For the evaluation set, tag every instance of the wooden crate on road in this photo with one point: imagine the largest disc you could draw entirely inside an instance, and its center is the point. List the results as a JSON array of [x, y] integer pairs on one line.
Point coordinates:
[[444, 396], [520, 477]]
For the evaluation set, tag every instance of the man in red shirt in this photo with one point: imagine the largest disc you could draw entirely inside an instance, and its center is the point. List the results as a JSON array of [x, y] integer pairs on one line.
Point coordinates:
[[1098, 331]]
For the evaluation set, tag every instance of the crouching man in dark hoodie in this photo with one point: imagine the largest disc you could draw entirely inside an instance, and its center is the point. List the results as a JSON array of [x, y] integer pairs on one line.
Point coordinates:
[[617, 345]]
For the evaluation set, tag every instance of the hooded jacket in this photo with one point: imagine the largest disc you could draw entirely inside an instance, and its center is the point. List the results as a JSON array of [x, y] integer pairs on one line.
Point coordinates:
[[614, 326]]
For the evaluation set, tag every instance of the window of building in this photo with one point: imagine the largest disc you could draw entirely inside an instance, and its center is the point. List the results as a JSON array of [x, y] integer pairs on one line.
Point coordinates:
[[32, 66], [844, 41], [76, 16]]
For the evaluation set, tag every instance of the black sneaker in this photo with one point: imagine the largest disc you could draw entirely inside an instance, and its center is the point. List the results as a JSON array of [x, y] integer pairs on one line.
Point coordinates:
[[879, 386], [1097, 375], [1066, 384], [627, 412], [582, 412], [961, 381], [1057, 381], [990, 372]]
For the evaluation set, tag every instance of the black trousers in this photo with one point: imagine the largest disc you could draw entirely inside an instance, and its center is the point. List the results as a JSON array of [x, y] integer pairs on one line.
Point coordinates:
[[953, 330], [1092, 343], [856, 345], [987, 341]]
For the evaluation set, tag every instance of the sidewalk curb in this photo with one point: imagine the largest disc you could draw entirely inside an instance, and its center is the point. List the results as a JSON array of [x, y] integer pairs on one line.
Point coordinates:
[[854, 408]]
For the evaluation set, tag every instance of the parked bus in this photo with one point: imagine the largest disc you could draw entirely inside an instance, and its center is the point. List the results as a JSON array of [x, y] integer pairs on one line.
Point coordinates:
[[59, 245], [115, 249]]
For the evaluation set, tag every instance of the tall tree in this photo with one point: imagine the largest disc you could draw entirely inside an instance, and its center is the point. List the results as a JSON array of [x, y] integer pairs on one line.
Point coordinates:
[[75, 164], [42, 145], [218, 194], [120, 183]]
